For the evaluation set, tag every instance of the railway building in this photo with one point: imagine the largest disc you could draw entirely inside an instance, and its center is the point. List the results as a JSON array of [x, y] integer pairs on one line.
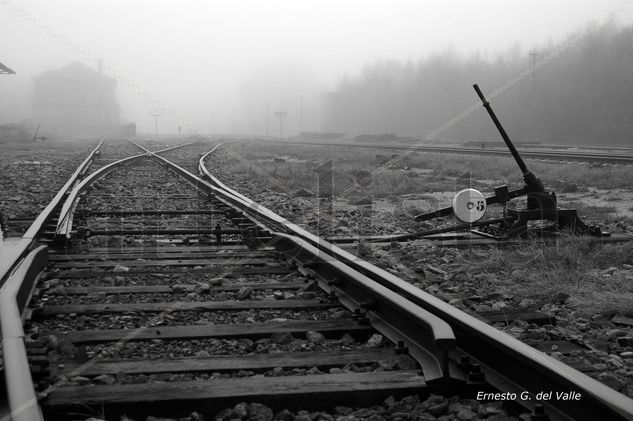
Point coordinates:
[[77, 101]]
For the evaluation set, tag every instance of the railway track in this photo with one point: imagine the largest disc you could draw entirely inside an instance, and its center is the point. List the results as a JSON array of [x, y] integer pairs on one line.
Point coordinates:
[[143, 289], [614, 157]]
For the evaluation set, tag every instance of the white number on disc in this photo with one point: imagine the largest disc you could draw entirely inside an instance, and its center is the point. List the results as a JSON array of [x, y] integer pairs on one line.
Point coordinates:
[[469, 205]]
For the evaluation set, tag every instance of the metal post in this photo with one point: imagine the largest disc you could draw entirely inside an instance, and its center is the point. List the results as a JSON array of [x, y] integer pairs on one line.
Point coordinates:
[[300, 114], [267, 118], [234, 119], [322, 111], [281, 115], [325, 182], [280, 126], [156, 114], [534, 54]]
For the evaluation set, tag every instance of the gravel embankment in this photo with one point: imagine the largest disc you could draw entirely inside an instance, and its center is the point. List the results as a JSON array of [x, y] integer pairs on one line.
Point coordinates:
[[31, 174]]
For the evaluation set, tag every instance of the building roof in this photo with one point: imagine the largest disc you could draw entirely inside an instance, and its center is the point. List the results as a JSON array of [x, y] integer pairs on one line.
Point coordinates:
[[4, 70], [75, 71]]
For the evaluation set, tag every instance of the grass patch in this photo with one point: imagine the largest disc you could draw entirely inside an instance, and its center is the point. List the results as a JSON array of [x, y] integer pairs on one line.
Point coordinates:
[[392, 174], [596, 212], [574, 265]]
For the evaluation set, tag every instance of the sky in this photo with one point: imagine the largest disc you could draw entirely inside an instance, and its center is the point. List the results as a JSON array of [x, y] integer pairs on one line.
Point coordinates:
[[217, 66]]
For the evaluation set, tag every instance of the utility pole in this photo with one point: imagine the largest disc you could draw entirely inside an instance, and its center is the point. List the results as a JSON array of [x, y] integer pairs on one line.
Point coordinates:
[[267, 113], [300, 114], [156, 114], [281, 115], [534, 54], [322, 112], [234, 119]]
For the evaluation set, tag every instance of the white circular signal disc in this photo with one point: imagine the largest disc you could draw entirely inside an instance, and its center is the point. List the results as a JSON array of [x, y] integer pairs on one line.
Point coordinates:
[[469, 205]]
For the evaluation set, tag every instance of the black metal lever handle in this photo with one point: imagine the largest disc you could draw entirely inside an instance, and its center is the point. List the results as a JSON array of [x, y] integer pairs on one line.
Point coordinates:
[[528, 177], [502, 131]]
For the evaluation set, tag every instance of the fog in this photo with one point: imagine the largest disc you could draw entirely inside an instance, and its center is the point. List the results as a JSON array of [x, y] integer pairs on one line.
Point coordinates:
[[215, 65]]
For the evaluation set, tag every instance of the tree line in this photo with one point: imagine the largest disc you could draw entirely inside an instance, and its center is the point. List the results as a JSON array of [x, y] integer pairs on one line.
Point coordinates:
[[580, 93]]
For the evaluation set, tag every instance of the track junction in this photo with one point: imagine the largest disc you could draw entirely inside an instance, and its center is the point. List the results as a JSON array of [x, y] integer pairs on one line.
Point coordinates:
[[145, 288]]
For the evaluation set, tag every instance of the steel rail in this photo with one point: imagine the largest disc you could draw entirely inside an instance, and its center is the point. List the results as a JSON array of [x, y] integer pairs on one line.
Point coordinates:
[[65, 222], [279, 221], [434, 356], [590, 147], [510, 364], [18, 269], [484, 343], [534, 154], [390, 310], [14, 296], [12, 257]]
